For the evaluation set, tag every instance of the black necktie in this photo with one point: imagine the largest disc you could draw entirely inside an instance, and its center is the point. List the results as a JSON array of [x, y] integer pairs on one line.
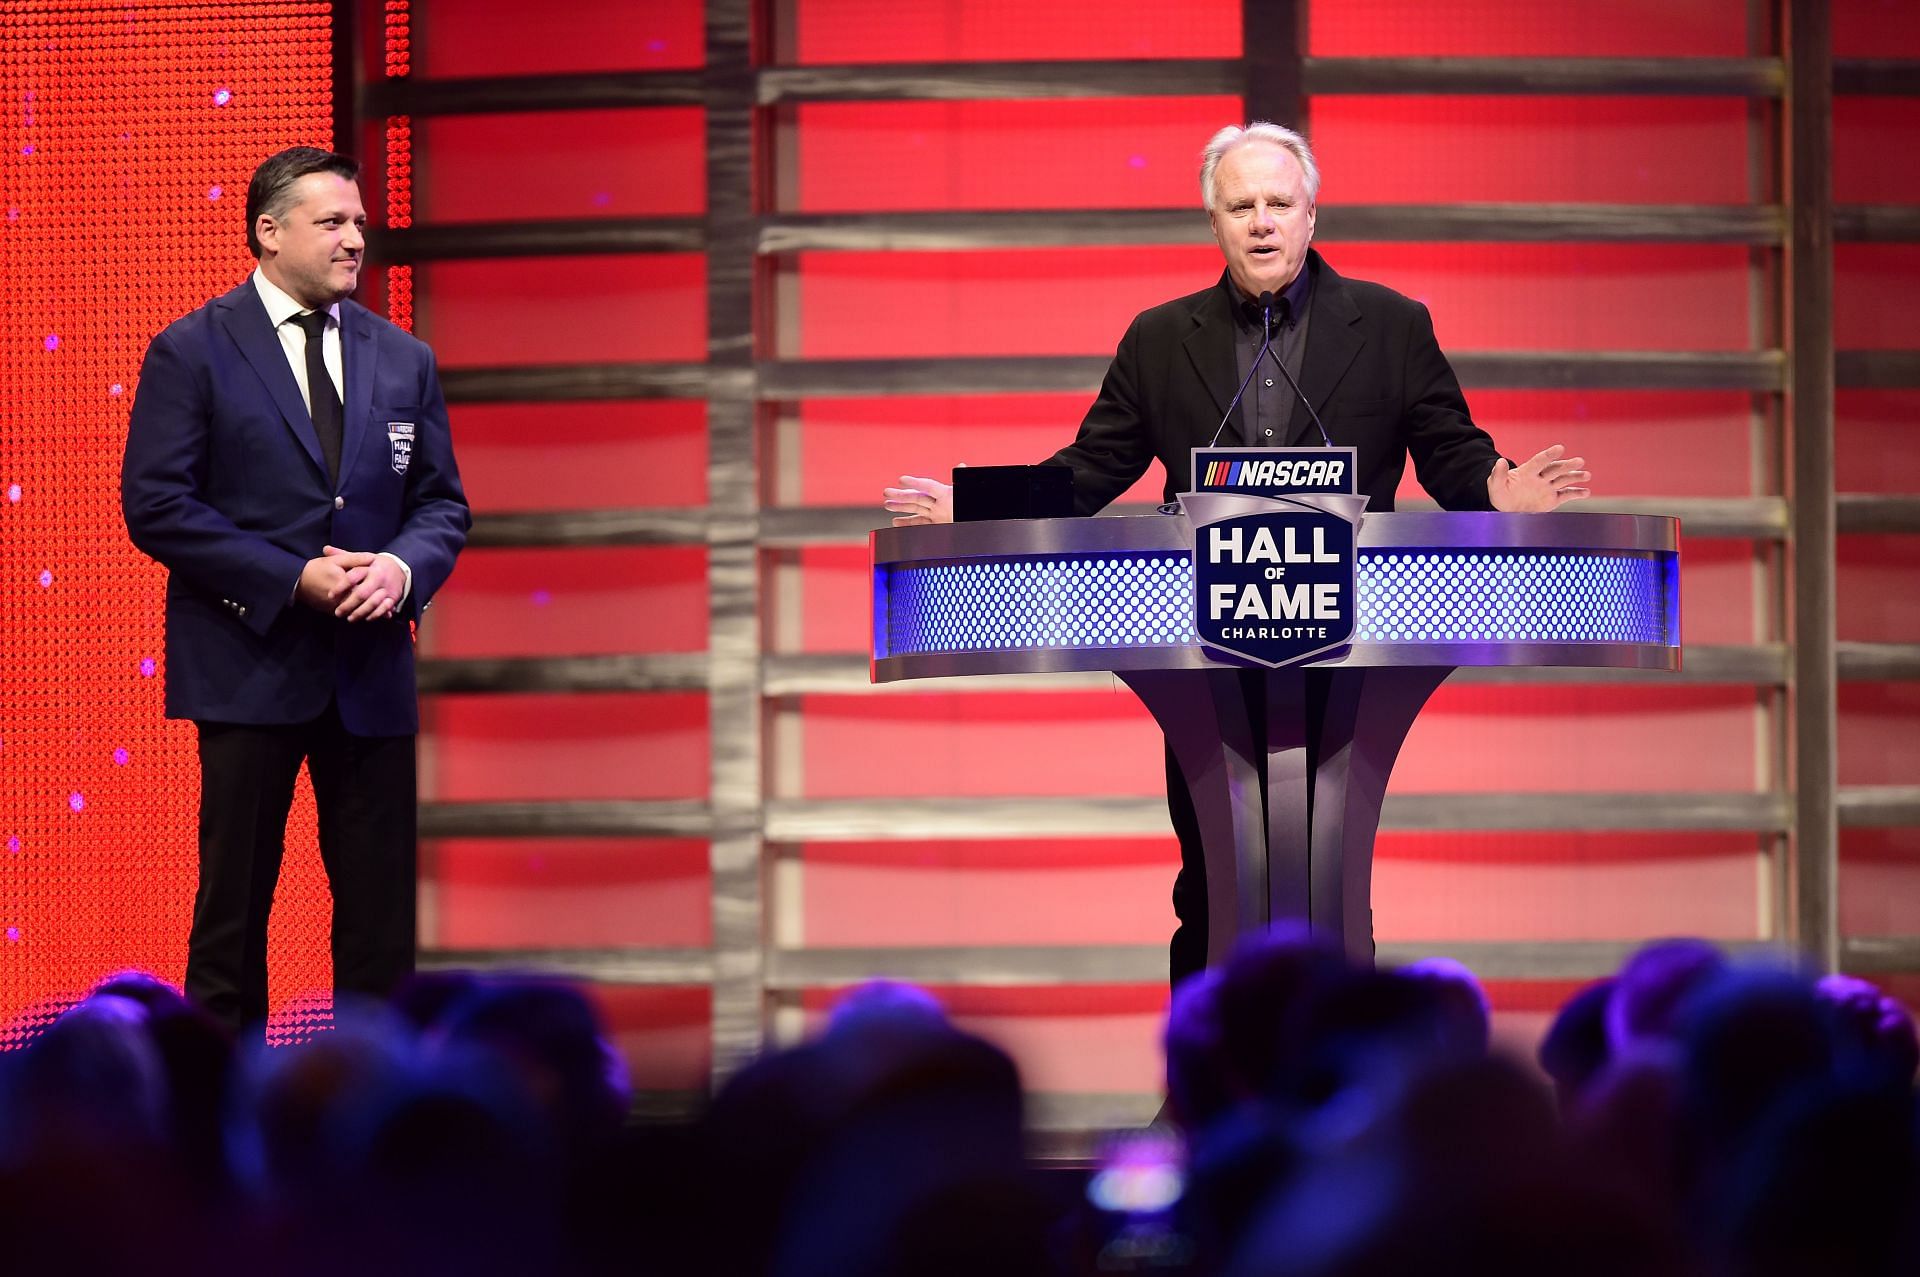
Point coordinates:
[[323, 401]]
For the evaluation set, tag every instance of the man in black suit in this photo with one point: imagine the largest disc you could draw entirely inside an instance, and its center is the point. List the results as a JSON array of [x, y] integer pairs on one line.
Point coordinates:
[[288, 461], [1364, 355]]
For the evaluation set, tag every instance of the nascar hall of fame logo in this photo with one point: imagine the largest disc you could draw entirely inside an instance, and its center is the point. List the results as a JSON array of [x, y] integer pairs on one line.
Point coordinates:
[[1274, 537], [400, 438]]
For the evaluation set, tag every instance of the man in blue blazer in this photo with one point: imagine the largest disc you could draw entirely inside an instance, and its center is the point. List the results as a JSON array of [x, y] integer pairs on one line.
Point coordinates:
[[288, 460]]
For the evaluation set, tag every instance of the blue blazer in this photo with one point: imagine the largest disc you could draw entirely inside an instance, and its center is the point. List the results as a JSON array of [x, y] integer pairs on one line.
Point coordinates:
[[224, 483]]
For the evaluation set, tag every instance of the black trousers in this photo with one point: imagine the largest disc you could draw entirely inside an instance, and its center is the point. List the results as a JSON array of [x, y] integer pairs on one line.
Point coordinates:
[[365, 789], [1187, 952]]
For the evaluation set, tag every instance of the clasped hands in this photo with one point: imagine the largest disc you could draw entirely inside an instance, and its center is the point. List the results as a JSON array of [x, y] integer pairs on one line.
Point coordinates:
[[354, 585]]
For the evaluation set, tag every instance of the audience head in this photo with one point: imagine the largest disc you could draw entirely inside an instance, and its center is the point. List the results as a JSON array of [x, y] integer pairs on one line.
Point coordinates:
[[91, 1080], [1648, 995], [1873, 1035], [1460, 1001], [550, 1034], [1574, 1051], [886, 1006]]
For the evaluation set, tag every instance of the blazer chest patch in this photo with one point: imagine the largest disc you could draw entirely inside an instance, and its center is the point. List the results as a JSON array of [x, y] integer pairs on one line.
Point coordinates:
[[400, 439]]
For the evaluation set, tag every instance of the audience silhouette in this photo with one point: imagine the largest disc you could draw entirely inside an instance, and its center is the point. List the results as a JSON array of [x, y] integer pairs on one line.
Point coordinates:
[[1693, 1114]]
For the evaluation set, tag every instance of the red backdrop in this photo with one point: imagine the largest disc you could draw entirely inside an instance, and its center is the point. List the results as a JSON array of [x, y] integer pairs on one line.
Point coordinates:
[[129, 136]]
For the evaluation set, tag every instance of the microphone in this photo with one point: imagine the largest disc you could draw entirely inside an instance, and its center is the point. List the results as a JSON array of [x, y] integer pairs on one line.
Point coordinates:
[[1266, 309], [1266, 342]]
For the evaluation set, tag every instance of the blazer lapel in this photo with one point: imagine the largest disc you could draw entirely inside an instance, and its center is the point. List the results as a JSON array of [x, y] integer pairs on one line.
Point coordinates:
[[358, 354], [1334, 338], [245, 319], [1210, 349]]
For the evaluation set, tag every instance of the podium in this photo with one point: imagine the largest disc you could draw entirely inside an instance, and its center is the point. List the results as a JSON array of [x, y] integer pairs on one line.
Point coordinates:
[[1287, 769]]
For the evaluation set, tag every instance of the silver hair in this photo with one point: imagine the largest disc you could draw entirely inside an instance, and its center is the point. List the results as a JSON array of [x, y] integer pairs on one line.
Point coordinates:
[[1233, 137]]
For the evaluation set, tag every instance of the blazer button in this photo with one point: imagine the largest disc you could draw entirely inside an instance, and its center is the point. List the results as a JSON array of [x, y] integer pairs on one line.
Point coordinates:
[[339, 503]]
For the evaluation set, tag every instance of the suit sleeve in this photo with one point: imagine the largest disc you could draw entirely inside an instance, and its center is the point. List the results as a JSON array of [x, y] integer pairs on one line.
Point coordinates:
[[163, 496], [435, 517], [1112, 449], [1451, 456]]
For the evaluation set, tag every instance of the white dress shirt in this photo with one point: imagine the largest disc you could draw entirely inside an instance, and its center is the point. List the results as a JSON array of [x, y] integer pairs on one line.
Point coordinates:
[[293, 339]]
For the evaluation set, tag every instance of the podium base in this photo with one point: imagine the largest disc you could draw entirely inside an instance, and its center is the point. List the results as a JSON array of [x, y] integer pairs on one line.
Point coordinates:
[[1287, 770]]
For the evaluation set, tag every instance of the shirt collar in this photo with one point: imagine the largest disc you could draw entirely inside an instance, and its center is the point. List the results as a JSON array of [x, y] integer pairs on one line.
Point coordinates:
[[1247, 314], [280, 307]]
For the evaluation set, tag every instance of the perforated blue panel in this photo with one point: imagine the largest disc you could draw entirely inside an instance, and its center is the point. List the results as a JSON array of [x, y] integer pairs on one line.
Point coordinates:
[[1146, 600], [1425, 596], [1130, 600]]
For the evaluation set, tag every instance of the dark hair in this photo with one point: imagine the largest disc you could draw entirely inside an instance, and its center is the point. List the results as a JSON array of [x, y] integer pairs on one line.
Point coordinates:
[[271, 190]]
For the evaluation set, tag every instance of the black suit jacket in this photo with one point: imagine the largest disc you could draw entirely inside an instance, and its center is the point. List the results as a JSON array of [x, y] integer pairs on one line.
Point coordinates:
[[224, 483], [1371, 367]]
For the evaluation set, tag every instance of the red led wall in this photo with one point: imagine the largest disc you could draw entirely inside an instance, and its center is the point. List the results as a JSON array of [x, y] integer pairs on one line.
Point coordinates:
[[127, 136]]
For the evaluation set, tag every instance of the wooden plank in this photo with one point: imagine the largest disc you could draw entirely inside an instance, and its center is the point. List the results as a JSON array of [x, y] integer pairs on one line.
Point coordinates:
[[1519, 960], [970, 81], [523, 529], [735, 198], [1041, 966], [1880, 955], [506, 94], [1877, 223], [1878, 662], [506, 675], [572, 236], [1759, 226], [1878, 806], [1633, 77], [1861, 513], [1887, 76], [1273, 36], [793, 970], [558, 383], [1756, 371], [600, 966], [1877, 369], [1076, 817], [1729, 812], [1814, 764], [612, 818], [946, 231]]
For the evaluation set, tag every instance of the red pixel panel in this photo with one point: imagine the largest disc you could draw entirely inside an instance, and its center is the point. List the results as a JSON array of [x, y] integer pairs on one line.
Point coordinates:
[[511, 37], [507, 892], [1088, 155], [1605, 150], [642, 163], [129, 137], [1527, 28]]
